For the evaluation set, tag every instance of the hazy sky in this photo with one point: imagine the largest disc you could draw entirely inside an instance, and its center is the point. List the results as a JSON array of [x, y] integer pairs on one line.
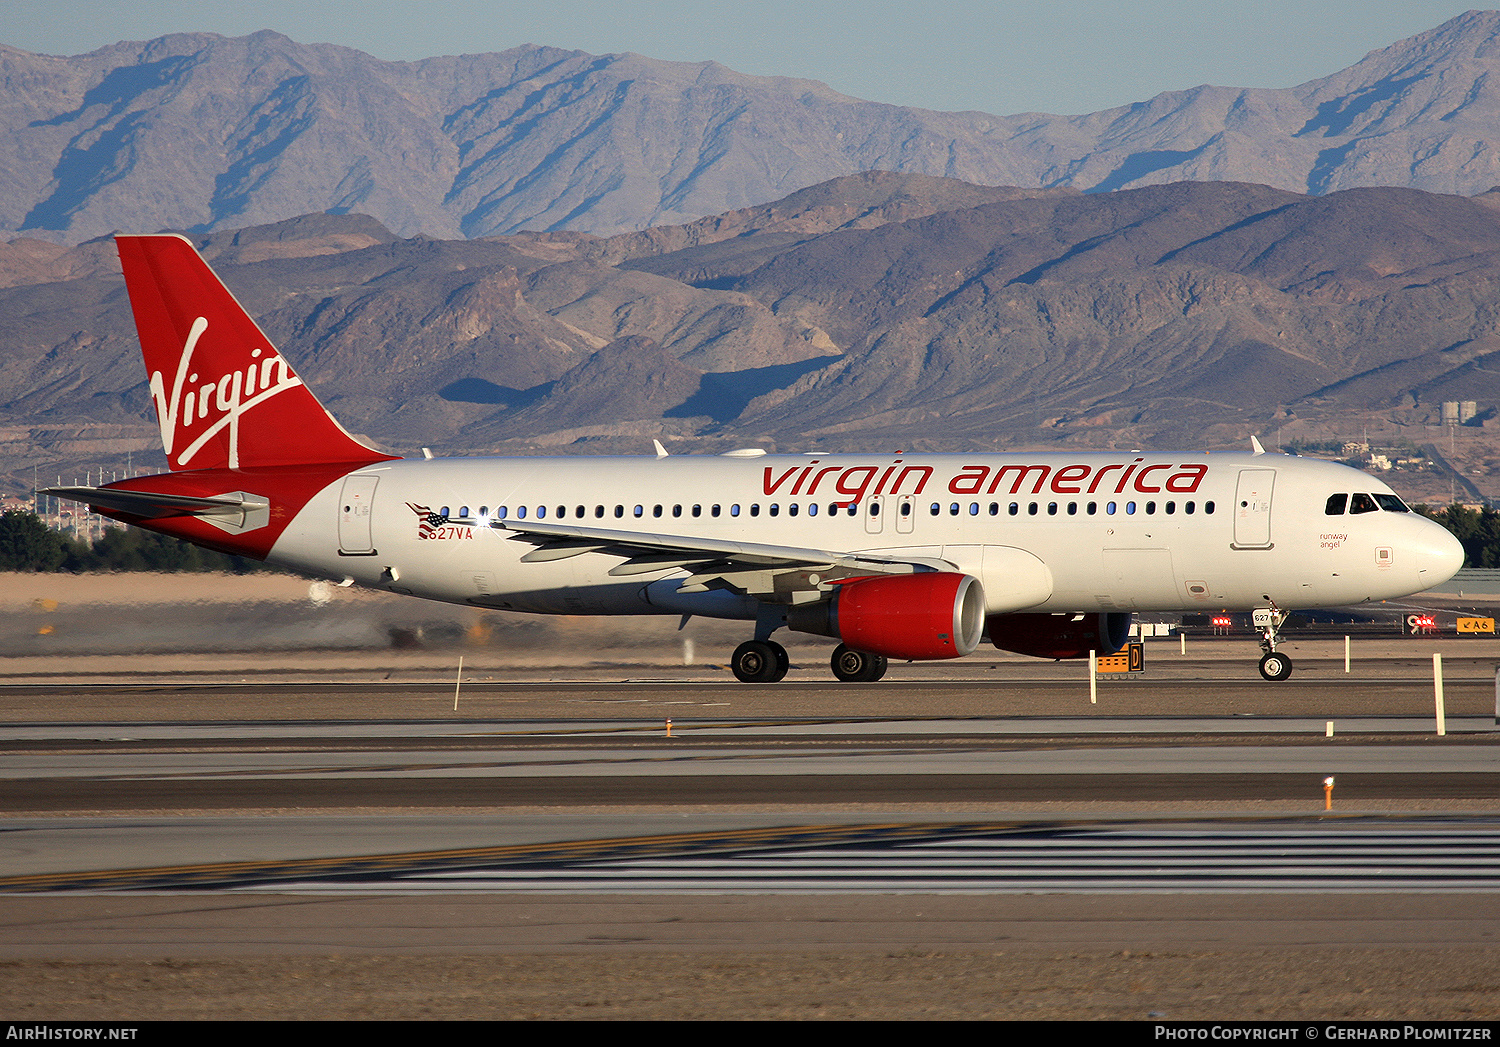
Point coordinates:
[[1001, 56]]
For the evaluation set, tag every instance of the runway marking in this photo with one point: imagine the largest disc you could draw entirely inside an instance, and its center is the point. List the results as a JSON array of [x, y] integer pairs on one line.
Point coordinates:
[[1352, 853], [223, 875]]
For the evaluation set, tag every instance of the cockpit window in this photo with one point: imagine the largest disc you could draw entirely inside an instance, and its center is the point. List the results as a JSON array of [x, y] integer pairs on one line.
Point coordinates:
[[1336, 504], [1391, 504], [1362, 503]]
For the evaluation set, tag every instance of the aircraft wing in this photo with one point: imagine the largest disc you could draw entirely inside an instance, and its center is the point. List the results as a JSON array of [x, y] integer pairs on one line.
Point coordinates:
[[155, 506], [749, 567]]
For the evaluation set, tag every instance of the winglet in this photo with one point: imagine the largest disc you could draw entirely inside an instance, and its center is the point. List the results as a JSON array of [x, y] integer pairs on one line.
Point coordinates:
[[1256, 447], [661, 452]]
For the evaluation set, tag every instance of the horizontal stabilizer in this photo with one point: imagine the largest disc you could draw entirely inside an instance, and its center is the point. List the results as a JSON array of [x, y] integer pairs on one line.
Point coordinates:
[[153, 506]]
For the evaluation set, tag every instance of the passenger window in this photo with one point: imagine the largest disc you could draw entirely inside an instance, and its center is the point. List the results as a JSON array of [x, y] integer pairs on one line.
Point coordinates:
[[1072, 508], [541, 512], [714, 512], [520, 512], [697, 511], [1336, 504], [1129, 508], [500, 512], [936, 509], [656, 510], [1093, 509], [1208, 507], [1188, 508], [676, 510], [734, 510], [1031, 508], [994, 508], [1015, 508], [1362, 503], [953, 509], [874, 508], [1109, 508], [775, 509], [580, 512], [619, 512], [791, 510], [639, 511], [973, 508], [1150, 508], [599, 512], [905, 508], [754, 508], [562, 512], [812, 508], [1051, 508]]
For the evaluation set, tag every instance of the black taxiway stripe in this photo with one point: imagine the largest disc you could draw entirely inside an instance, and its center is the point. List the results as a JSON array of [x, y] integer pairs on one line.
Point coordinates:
[[47, 796], [121, 684]]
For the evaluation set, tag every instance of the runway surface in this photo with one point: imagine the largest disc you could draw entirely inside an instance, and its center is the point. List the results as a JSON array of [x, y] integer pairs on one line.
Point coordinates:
[[271, 818]]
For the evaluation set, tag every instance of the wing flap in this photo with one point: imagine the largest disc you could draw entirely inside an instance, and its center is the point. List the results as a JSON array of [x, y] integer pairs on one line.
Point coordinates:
[[710, 563]]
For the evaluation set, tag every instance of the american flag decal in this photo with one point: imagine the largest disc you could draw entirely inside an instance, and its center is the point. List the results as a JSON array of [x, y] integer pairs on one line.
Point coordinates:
[[427, 520]]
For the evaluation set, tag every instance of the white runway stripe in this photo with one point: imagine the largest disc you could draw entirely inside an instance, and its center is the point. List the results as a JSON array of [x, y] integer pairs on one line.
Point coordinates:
[[1072, 860]]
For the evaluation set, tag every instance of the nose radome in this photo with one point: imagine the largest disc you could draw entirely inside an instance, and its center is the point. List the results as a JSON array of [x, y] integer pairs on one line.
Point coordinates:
[[1439, 555]]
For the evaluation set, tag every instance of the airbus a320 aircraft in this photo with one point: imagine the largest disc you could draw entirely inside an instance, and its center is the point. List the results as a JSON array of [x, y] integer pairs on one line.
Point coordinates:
[[899, 556]]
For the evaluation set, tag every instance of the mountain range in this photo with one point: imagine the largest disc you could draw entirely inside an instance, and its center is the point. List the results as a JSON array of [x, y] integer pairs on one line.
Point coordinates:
[[206, 133], [870, 312]]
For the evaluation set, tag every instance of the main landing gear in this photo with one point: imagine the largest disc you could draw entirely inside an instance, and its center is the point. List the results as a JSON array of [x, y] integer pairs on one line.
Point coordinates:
[[853, 666], [766, 661], [760, 661], [1273, 666]]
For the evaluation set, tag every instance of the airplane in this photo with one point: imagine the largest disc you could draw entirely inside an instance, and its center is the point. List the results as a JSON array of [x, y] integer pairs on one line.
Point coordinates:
[[895, 556]]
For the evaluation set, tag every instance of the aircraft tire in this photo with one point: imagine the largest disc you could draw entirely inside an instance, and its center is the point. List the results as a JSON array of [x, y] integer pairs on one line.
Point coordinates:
[[757, 661], [1275, 667], [783, 660], [853, 666]]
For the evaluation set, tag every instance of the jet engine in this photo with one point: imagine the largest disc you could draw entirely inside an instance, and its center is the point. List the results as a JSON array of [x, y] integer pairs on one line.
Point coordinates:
[[1059, 635], [936, 614]]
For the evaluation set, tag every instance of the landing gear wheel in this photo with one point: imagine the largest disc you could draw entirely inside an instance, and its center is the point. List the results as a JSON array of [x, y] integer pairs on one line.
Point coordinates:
[[783, 660], [853, 666], [1275, 667], [759, 661]]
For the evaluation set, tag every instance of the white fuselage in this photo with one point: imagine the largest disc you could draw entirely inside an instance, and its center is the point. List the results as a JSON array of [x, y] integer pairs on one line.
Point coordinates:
[[1081, 532]]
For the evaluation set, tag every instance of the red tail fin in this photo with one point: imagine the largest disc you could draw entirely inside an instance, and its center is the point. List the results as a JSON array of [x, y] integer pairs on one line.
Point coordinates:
[[224, 396]]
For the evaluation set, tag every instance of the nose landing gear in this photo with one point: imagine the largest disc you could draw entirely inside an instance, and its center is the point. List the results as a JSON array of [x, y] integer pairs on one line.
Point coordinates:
[[1273, 666]]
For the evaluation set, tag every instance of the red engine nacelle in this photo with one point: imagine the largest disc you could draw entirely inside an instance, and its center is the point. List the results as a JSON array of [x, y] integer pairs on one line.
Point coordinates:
[[1059, 635], [916, 616]]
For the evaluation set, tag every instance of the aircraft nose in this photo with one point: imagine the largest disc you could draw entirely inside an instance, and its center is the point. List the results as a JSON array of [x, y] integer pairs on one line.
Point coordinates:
[[1439, 555]]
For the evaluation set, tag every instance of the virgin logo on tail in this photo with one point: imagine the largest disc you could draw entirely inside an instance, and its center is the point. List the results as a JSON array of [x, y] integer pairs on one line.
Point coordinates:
[[220, 403]]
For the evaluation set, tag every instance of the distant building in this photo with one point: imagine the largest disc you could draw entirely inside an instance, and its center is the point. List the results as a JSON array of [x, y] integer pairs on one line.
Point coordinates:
[[1459, 412]]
